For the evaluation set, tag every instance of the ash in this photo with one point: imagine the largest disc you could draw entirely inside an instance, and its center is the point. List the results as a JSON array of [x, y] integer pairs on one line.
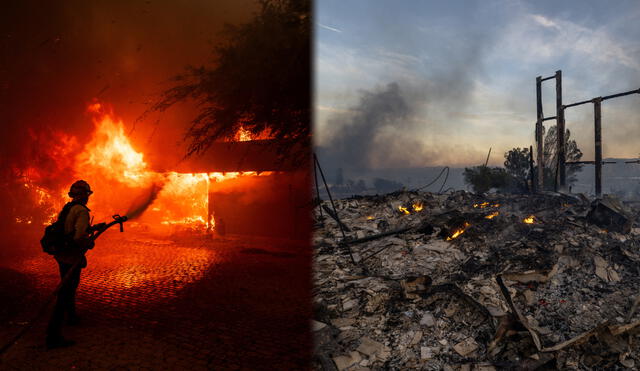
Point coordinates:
[[461, 281]]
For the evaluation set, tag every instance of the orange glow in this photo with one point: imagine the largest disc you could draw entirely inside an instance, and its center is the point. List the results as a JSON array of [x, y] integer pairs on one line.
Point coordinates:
[[118, 173], [482, 205], [404, 210], [369, 218], [111, 151], [94, 107], [492, 215], [417, 207], [459, 231], [243, 135], [530, 219]]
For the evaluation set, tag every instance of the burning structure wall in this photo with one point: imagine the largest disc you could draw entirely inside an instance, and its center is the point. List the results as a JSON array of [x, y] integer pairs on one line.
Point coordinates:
[[264, 202]]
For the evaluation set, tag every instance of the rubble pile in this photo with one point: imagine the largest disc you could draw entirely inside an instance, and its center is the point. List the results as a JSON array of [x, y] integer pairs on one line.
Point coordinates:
[[466, 281]]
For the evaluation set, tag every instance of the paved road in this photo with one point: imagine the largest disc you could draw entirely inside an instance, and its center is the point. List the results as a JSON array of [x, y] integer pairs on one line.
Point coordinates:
[[152, 303]]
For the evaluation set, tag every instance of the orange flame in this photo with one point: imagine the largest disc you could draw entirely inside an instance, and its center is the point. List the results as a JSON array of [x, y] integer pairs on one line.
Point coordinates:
[[529, 220], [459, 231], [243, 135], [117, 172], [404, 210], [417, 206], [492, 215]]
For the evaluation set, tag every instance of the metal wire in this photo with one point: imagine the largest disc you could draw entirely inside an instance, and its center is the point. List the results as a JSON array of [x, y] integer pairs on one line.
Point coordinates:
[[436, 179]]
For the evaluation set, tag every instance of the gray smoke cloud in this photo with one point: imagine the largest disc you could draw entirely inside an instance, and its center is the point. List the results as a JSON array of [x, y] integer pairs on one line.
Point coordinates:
[[392, 126], [360, 131], [401, 124]]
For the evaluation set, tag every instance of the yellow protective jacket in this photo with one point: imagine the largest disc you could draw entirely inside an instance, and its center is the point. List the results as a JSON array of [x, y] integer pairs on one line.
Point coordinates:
[[76, 225]]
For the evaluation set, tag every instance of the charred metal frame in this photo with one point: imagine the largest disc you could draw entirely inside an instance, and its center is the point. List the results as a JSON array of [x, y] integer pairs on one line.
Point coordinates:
[[560, 121], [559, 117]]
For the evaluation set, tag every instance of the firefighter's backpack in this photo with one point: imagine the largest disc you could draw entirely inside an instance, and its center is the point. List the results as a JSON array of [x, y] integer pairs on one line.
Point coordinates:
[[54, 240]]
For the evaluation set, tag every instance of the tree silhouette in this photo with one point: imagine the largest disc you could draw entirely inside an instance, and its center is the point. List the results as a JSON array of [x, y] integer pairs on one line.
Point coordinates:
[[572, 153], [517, 165], [260, 80]]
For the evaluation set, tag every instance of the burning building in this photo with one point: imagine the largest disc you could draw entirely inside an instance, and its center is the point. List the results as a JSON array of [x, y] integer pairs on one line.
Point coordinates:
[[243, 183]]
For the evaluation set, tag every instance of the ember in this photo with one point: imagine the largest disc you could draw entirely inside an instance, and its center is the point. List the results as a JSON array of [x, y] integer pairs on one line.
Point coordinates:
[[500, 280], [459, 231], [492, 215], [404, 210], [529, 220], [417, 207]]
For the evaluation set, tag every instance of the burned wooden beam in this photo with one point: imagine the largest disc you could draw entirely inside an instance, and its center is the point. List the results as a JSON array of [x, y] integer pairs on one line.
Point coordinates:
[[637, 91], [531, 172], [539, 129], [598, 144], [606, 97], [578, 103], [560, 126]]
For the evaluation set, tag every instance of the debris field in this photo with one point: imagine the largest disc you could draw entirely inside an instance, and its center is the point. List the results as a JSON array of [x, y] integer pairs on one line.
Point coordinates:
[[462, 281]]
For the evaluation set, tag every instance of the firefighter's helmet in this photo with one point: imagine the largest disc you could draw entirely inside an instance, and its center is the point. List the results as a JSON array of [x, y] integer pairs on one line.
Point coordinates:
[[80, 188]]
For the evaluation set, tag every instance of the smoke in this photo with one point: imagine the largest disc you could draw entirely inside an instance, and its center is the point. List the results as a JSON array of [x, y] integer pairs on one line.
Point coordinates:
[[432, 73], [401, 124], [364, 130], [142, 203]]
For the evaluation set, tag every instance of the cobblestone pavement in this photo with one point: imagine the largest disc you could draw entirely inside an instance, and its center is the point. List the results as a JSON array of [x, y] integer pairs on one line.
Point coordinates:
[[150, 303]]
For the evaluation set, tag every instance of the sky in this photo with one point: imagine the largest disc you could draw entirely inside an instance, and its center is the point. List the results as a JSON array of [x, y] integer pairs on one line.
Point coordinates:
[[429, 83]]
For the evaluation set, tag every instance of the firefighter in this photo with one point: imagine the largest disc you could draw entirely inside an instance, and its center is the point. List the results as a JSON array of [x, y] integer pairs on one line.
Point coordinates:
[[76, 227]]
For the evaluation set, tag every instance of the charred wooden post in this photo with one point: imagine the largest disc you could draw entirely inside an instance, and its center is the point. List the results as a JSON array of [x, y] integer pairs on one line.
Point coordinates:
[[598, 144], [533, 184], [561, 131], [539, 139], [487, 161]]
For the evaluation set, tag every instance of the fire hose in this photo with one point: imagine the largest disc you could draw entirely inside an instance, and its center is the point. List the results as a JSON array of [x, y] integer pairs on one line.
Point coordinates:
[[96, 231]]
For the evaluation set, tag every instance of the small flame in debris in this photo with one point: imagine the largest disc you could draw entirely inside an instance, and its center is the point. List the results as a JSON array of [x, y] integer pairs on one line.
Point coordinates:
[[530, 220], [417, 206], [492, 215], [243, 135], [369, 218], [496, 205], [404, 210], [482, 205], [459, 231]]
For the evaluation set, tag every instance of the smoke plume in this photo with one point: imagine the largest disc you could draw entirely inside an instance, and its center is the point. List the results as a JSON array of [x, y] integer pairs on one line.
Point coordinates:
[[142, 203]]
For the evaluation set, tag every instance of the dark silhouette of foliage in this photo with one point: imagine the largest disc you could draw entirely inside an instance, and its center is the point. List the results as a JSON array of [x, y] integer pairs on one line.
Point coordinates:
[[517, 166], [484, 178], [572, 153], [260, 80]]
